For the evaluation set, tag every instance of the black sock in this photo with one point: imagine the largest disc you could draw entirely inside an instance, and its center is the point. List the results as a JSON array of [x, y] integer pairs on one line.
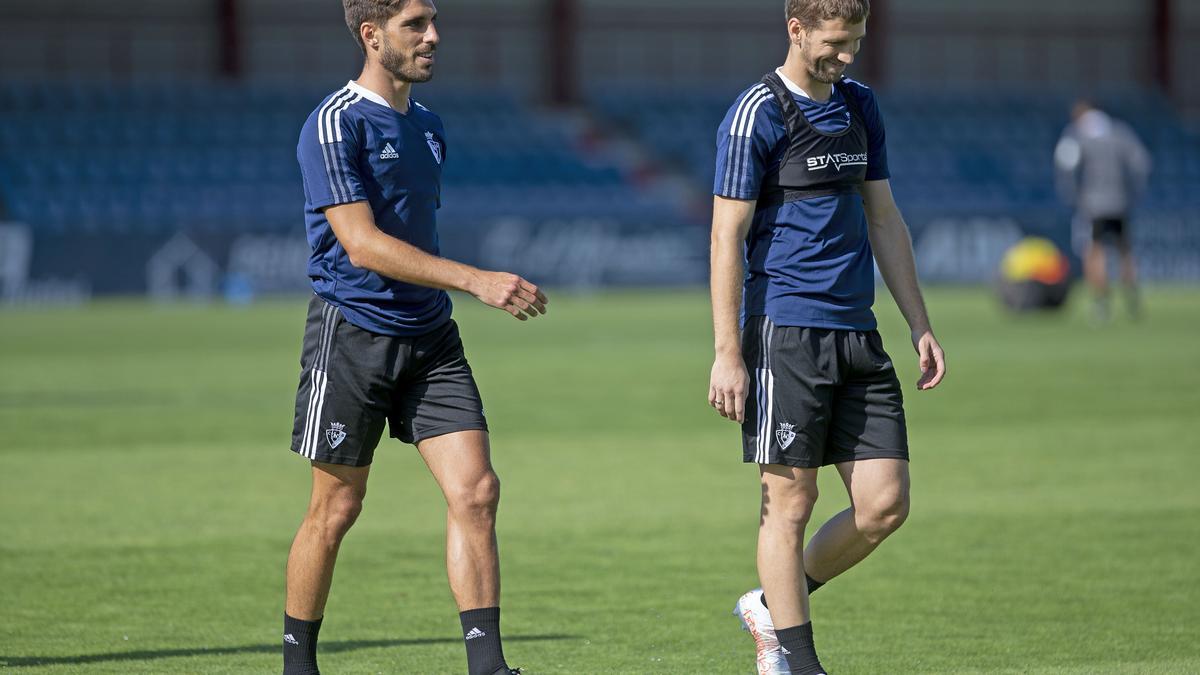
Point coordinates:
[[797, 644], [481, 632], [813, 584], [300, 646]]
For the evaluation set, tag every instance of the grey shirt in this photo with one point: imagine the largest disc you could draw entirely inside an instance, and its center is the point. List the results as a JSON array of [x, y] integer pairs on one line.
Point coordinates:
[[1101, 165]]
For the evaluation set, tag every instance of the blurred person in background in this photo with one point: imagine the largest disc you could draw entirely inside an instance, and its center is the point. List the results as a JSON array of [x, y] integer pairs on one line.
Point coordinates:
[[379, 345], [802, 211], [1102, 169]]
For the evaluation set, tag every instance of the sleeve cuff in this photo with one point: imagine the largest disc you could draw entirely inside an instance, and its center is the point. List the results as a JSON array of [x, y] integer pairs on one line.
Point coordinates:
[[326, 203], [744, 194]]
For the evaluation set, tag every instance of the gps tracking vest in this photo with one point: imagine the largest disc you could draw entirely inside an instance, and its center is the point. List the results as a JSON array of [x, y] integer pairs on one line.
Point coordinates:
[[816, 164]]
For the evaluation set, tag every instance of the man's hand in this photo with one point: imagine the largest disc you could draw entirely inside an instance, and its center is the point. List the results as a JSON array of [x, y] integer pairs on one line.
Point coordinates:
[[508, 292], [932, 360], [728, 386]]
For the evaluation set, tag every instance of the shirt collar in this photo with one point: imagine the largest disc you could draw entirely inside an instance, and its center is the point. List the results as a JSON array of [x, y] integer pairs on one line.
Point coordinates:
[[367, 94], [792, 86]]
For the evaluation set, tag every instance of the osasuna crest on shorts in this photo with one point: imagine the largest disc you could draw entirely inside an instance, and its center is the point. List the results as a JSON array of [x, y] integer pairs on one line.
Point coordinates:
[[786, 433], [335, 434]]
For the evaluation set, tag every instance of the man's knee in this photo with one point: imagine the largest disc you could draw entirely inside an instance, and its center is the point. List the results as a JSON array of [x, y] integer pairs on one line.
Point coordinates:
[[791, 508], [477, 498], [335, 514], [882, 516]]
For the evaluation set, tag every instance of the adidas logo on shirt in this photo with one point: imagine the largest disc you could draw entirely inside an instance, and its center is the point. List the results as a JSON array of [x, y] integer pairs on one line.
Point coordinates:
[[389, 152], [475, 633]]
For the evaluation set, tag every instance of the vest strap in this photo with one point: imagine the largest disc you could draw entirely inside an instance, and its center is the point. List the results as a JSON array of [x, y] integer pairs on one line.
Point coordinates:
[[778, 196], [774, 194]]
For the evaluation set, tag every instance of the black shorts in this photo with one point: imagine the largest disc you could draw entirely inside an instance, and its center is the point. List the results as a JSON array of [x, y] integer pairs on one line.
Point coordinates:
[[819, 397], [352, 380], [1108, 230]]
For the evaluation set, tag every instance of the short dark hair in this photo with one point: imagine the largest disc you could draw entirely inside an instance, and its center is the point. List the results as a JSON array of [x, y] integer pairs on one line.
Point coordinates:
[[377, 12], [812, 12]]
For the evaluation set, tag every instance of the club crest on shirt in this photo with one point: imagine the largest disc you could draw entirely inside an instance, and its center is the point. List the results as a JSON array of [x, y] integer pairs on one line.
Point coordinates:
[[434, 146], [786, 434], [335, 434]]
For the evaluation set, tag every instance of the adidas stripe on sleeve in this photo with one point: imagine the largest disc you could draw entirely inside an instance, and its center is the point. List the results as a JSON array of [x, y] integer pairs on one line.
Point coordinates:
[[328, 153], [744, 143]]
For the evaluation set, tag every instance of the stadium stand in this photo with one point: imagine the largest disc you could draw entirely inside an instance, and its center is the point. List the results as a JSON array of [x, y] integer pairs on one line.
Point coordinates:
[[216, 157], [153, 158]]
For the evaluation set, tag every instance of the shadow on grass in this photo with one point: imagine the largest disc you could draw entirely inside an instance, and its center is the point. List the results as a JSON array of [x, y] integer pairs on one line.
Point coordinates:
[[332, 646]]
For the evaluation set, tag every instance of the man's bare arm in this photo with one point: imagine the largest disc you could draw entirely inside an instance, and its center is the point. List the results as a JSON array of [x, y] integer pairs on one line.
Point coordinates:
[[729, 382], [370, 248], [892, 246]]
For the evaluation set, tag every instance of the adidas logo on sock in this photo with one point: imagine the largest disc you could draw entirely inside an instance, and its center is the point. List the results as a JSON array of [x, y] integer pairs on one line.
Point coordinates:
[[290, 639], [475, 633], [784, 650]]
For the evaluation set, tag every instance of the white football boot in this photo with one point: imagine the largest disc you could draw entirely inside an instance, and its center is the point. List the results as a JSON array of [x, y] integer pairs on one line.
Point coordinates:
[[756, 619]]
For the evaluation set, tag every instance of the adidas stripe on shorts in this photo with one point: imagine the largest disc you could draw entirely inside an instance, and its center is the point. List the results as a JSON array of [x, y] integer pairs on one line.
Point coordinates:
[[819, 396], [352, 381]]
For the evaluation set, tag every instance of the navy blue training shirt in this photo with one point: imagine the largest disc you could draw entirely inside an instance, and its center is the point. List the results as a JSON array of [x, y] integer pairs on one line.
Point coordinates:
[[809, 261], [355, 147]]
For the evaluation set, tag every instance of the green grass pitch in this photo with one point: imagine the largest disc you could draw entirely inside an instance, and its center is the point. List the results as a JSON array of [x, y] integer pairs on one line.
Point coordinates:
[[148, 498]]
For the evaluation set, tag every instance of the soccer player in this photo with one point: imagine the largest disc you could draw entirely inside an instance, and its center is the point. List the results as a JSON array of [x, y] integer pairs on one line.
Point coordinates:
[[379, 344], [1102, 169], [802, 191]]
